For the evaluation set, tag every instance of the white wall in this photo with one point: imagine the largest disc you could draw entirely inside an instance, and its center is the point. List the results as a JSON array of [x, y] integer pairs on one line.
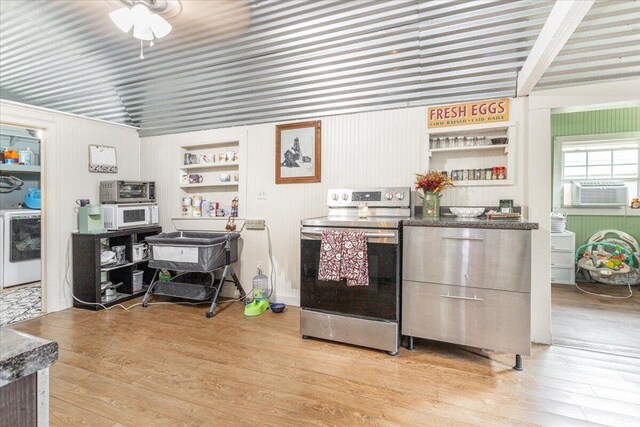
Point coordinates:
[[538, 184], [65, 178], [358, 150]]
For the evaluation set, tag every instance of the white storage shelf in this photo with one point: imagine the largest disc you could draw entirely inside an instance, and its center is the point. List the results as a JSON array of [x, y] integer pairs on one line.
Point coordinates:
[[563, 270], [205, 185], [475, 156], [206, 166], [19, 168], [211, 188]]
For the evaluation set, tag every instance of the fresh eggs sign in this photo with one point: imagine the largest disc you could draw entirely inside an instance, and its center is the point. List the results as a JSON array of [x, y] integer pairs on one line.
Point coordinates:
[[468, 113]]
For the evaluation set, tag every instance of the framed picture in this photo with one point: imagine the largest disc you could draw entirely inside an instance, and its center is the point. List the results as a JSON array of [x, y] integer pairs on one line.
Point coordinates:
[[298, 152], [102, 159]]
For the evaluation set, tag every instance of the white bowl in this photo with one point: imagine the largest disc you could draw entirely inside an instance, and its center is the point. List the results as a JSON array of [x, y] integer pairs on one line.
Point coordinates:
[[467, 212]]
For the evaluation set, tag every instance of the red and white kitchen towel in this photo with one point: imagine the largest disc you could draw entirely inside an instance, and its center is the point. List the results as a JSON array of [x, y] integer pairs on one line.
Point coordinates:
[[343, 255]]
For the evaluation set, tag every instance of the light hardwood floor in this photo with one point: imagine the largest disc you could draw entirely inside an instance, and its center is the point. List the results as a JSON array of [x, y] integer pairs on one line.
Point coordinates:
[[169, 365], [596, 323]]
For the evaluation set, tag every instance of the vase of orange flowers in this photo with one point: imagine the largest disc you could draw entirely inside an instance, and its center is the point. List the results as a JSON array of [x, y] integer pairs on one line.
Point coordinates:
[[431, 184]]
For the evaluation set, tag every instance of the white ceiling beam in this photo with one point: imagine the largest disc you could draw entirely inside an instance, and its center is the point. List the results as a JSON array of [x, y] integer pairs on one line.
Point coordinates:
[[561, 23]]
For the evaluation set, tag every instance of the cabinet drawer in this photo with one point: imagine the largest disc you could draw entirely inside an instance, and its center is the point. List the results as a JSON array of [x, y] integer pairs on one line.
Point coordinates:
[[563, 275], [483, 318], [562, 259], [563, 241], [492, 259]]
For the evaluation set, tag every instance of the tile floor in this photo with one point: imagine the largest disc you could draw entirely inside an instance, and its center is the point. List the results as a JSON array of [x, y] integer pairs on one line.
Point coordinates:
[[20, 303]]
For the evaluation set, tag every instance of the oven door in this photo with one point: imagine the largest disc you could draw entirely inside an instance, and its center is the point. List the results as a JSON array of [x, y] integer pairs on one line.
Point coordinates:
[[133, 216], [24, 238], [378, 301], [133, 191]]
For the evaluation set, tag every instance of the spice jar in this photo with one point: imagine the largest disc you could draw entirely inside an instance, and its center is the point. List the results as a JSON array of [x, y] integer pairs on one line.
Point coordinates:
[[502, 172], [460, 141], [487, 174], [454, 175], [477, 174], [465, 174], [494, 172], [635, 203]]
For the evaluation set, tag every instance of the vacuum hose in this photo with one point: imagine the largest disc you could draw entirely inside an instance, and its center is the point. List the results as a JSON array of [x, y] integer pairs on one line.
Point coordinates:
[[9, 184]]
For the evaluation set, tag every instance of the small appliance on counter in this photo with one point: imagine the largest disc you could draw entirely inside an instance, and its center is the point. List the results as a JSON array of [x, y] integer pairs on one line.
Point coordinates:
[[127, 192], [90, 218], [121, 216]]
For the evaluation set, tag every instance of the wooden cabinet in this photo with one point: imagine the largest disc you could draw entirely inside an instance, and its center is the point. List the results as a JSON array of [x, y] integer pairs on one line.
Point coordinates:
[[88, 274]]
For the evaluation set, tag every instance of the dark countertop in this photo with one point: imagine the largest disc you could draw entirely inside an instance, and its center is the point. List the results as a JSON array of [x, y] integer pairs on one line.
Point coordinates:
[[453, 222], [22, 354]]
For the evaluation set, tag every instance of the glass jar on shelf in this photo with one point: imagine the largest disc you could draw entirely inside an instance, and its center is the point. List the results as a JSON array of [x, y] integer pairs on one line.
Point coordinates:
[[460, 141], [451, 142], [469, 141], [481, 140], [487, 174], [477, 174]]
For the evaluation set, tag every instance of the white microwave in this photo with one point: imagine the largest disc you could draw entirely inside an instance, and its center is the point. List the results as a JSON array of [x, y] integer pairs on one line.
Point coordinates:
[[117, 217]]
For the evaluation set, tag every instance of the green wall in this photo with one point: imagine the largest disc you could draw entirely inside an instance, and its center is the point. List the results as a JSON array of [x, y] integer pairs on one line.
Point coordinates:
[[596, 122]]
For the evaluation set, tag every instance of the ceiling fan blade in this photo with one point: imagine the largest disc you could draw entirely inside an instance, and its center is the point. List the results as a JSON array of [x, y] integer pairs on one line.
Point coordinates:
[[160, 26], [122, 18], [142, 33]]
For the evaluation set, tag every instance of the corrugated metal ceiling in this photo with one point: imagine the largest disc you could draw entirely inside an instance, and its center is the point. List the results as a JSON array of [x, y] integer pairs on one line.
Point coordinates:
[[605, 46], [231, 62]]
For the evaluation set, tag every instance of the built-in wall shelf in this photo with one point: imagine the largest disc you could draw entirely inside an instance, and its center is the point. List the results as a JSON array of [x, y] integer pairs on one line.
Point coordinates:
[[19, 168], [205, 145], [504, 147], [483, 183], [205, 185], [471, 157], [207, 166], [467, 129], [205, 218]]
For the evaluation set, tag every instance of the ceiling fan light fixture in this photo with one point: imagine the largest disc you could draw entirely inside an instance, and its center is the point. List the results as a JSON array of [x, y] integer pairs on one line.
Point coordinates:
[[147, 26], [142, 33], [159, 26], [122, 18], [141, 15]]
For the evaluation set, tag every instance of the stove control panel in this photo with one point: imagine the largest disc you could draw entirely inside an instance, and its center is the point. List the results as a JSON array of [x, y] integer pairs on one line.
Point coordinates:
[[394, 197]]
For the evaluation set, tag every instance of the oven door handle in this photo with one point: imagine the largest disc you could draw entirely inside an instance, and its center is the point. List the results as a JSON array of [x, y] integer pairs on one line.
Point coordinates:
[[367, 235], [391, 238]]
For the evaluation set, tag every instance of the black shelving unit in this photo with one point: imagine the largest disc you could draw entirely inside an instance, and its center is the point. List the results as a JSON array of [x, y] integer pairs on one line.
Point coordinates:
[[88, 273]]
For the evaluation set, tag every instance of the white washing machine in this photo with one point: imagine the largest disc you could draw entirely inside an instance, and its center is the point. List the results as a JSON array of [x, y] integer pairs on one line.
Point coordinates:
[[20, 237]]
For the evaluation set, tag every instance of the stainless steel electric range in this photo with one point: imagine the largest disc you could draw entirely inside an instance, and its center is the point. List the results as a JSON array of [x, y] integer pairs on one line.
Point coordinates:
[[367, 316]]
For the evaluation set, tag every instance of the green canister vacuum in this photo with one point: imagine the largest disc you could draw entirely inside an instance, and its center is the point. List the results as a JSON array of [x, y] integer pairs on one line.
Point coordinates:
[[261, 293]]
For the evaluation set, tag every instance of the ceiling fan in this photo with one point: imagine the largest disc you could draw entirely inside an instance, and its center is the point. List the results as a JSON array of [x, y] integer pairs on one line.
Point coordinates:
[[144, 16]]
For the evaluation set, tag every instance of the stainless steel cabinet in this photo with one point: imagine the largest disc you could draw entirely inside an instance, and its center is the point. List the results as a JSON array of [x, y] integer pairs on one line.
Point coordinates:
[[468, 286], [475, 317], [492, 259]]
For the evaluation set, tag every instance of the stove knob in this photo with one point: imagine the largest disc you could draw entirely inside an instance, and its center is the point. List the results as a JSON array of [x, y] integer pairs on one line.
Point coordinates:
[[400, 196], [345, 197], [334, 196], [388, 196]]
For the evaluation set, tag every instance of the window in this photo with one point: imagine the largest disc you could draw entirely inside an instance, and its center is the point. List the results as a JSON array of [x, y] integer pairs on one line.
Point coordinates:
[[599, 159]]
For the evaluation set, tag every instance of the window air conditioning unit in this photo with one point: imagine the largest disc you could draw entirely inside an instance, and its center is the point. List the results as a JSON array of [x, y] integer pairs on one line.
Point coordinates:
[[599, 193]]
